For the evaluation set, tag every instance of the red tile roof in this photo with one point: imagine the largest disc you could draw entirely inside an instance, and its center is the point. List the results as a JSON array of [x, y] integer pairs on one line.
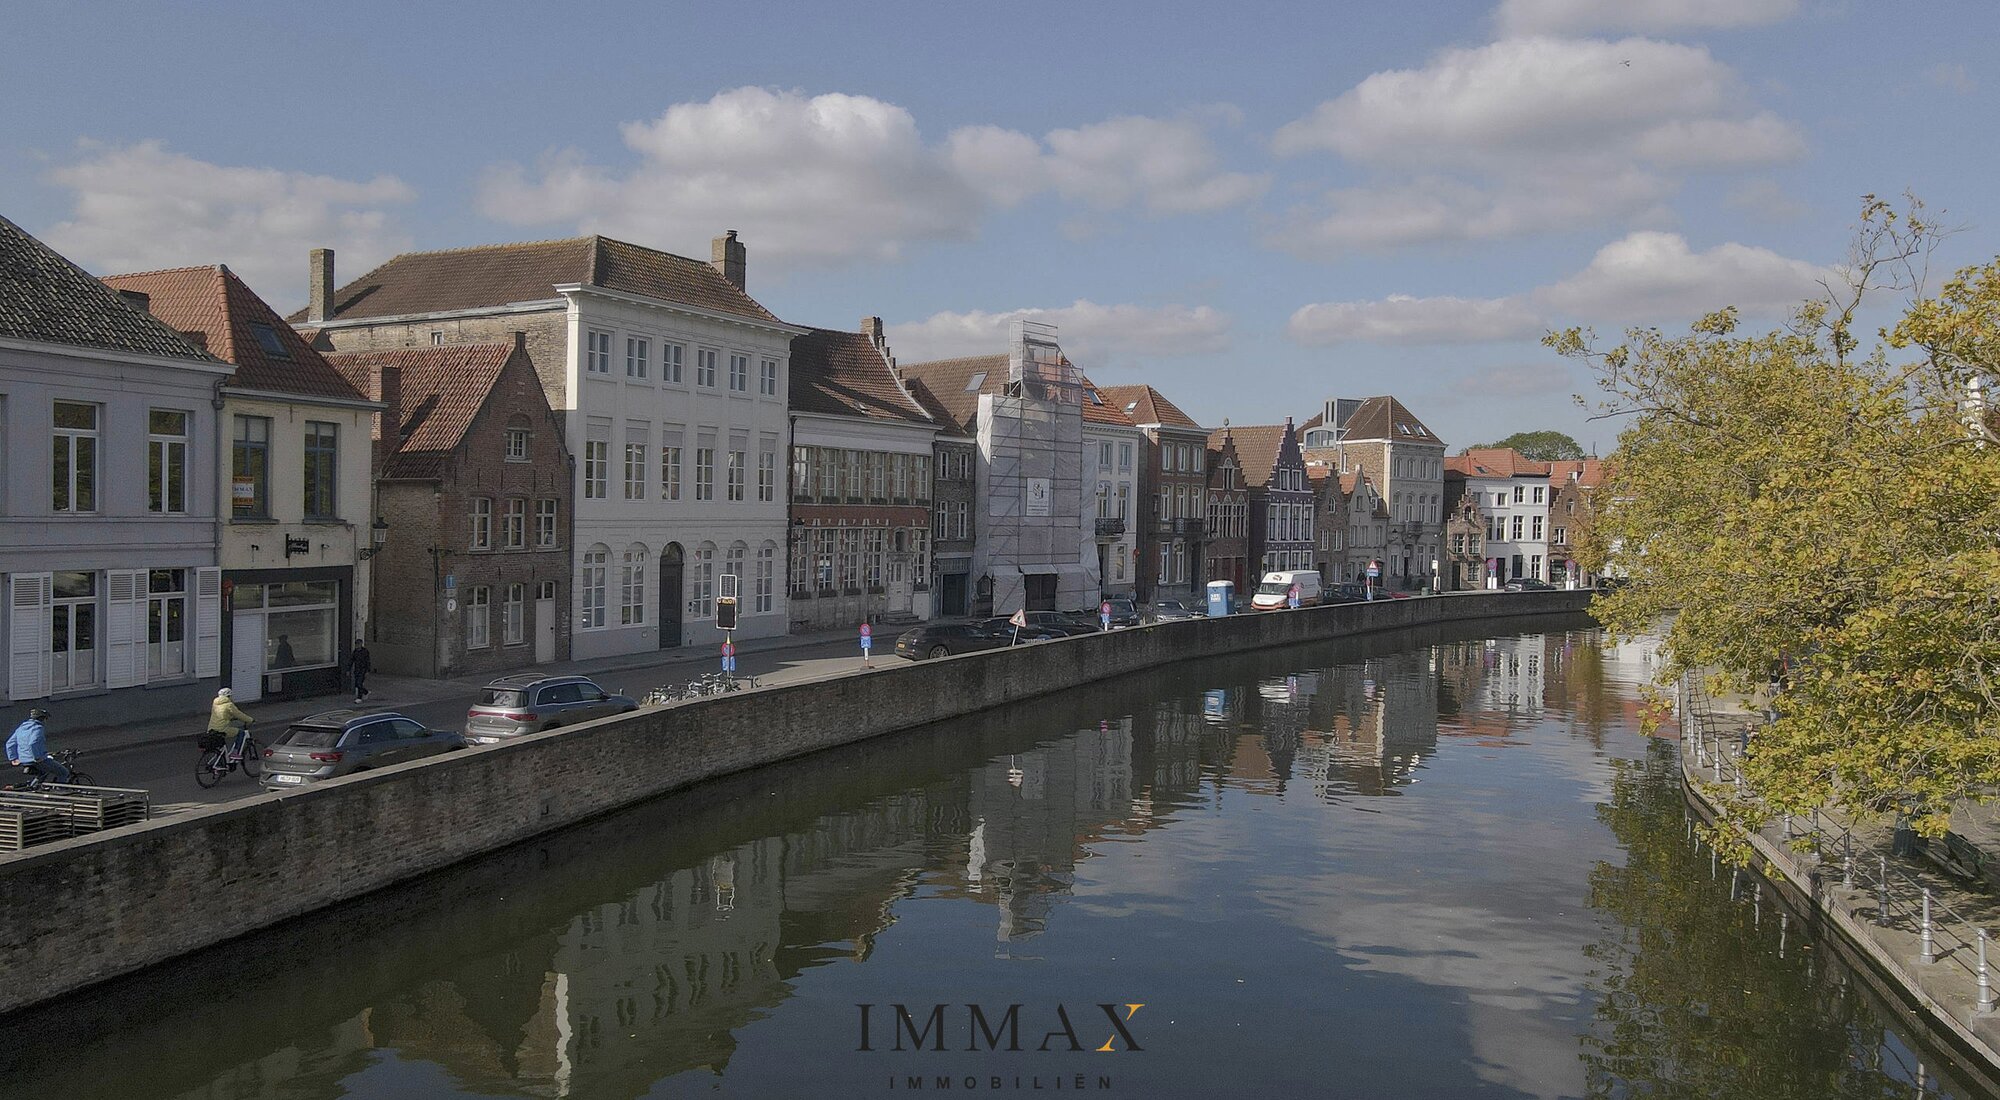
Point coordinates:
[[1146, 405], [502, 274], [1494, 462], [443, 389], [227, 314], [1098, 408], [1257, 449], [950, 388], [1587, 472], [844, 374]]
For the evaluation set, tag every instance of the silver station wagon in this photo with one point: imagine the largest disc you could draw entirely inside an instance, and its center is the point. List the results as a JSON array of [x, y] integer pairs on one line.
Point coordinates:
[[514, 705], [342, 742]]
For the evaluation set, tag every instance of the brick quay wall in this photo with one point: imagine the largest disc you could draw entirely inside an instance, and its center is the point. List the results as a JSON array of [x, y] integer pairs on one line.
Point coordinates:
[[91, 908]]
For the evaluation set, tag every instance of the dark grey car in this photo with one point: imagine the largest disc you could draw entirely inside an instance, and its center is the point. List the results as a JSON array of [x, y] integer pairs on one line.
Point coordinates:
[[342, 742], [514, 705]]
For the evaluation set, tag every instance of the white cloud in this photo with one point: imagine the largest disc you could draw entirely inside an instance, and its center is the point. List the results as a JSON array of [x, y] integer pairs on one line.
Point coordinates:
[[1765, 199], [827, 179], [1951, 76], [1649, 277], [1436, 208], [1400, 319], [1092, 335], [141, 207], [817, 179], [1646, 277], [1652, 16], [1524, 136]]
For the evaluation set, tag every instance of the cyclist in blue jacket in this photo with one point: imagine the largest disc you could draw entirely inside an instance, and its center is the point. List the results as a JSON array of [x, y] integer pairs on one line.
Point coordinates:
[[29, 748]]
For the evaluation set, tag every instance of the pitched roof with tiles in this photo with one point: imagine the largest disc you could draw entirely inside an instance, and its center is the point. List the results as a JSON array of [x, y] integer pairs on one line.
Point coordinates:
[[1494, 462], [1585, 472], [235, 323], [1257, 449], [503, 274], [844, 374], [47, 299], [1098, 408], [1145, 405], [443, 389], [1380, 418], [950, 388]]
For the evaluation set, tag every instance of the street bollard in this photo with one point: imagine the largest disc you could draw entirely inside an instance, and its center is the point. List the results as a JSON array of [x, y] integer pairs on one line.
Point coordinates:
[[1882, 905], [1985, 984], [1847, 861], [1927, 949]]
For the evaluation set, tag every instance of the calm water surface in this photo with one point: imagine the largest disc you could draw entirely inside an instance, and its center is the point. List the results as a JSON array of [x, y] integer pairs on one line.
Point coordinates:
[[1425, 865]]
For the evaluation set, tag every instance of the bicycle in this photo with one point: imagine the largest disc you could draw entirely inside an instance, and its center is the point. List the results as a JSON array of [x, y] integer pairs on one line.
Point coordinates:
[[216, 763], [37, 779]]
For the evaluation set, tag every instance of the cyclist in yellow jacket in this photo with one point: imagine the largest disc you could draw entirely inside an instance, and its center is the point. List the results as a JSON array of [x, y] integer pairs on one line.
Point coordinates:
[[228, 719]]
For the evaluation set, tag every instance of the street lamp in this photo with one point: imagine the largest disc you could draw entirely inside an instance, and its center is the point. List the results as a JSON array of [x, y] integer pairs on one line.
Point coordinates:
[[378, 533]]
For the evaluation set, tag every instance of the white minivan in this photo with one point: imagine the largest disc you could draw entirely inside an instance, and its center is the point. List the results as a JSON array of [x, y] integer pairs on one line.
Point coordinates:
[[1275, 590]]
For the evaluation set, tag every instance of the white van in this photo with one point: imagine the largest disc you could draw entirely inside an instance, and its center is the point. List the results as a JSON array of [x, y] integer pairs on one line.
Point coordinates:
[[1275, 591]]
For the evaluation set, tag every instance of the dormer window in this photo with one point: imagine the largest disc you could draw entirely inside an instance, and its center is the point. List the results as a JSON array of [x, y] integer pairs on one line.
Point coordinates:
[[977, 380], [267, 338]]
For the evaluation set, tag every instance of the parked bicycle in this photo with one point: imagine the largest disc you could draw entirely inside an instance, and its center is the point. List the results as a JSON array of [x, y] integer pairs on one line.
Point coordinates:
[[37, 780], [219, 758]]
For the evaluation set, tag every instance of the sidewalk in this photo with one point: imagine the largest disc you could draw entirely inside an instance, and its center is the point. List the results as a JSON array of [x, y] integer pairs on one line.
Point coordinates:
[[401, 691]]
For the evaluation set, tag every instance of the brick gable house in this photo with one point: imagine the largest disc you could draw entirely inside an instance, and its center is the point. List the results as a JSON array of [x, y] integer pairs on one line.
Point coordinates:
[[1281, 497], [1227, 533], [473, 480]]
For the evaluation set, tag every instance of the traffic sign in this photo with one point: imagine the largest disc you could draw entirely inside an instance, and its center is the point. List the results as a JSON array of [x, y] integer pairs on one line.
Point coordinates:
[[1019, 620], [1104, 614], [729, 649], [867, 631]]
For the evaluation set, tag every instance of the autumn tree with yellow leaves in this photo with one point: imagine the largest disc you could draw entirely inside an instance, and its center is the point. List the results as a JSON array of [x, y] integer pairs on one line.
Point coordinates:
[[1796, 496]]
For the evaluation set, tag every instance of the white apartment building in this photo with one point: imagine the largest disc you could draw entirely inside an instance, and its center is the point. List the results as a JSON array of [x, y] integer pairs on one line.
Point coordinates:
[[672, 382], [1112, 449], [1512, 494]]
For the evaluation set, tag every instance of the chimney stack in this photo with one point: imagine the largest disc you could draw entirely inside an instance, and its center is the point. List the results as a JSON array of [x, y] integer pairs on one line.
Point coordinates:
[[319, 281], [727, 256], [389, 432], [871, 327], [138, 301]]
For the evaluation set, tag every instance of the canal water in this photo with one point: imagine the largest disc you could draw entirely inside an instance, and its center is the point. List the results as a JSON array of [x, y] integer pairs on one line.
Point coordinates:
[[1428, 864]]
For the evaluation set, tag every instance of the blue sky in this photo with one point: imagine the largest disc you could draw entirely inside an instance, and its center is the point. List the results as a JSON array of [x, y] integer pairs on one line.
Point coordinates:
[[1252, 210]]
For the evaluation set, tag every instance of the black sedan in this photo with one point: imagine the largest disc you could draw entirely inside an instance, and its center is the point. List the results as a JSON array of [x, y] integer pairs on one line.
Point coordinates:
[[1529, 584], [1172, 611], [950, 639]]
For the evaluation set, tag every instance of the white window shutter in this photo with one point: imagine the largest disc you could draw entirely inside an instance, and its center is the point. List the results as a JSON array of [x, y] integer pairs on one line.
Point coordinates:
[[124, 637], [30, 602], [207, 622]]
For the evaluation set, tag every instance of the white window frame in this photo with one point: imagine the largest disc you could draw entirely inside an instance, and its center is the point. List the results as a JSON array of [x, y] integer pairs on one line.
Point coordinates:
[[597, 352], [478, 617], [767, 378], [479, 513], [161, 450], [638, 357], [739, 373], [704, 366], [671, 357], [514, 615], [596, 562], [546, 512]]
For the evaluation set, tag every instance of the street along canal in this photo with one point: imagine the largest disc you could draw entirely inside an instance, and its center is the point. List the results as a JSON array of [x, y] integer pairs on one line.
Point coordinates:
[[1442, 862]]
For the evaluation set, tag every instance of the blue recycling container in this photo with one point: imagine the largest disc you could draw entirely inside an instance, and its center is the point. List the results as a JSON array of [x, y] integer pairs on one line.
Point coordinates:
[[1221, 597]]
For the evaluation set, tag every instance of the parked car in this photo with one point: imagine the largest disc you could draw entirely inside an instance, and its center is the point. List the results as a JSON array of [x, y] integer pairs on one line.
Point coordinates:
[[1346, 592], [950, 639], [1067, 622], [1172, 611], [526, 703], [1529, 584], [342, 742], [1124, 612]]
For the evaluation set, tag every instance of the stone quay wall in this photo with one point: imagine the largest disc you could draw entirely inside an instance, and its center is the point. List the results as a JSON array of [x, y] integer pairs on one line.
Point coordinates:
[[84, 910]]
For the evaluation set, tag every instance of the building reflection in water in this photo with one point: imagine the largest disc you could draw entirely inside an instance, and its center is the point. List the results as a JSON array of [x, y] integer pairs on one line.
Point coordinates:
[[604, 960]]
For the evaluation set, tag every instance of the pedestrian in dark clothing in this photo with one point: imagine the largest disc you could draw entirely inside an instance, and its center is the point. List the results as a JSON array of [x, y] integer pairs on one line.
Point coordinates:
[[358, 666]]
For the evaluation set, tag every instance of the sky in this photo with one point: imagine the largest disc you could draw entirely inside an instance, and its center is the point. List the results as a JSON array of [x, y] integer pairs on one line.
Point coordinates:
[[1254, 207]]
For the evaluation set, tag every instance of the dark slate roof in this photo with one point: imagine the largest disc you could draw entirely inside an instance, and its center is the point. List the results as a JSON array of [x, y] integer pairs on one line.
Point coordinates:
[[844, 374], [443, 389], [1146, 405], [225, 311], [950, 388], [47, 299], [502, 274]]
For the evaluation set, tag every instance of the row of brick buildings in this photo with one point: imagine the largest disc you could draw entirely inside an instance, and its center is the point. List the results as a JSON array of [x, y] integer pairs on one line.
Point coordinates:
[[493, 457]]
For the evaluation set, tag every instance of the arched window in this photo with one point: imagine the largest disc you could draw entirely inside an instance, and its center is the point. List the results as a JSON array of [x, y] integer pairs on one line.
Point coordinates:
[[733, 566], [632, 587], [596, 561], [767, 563], [704, 581]]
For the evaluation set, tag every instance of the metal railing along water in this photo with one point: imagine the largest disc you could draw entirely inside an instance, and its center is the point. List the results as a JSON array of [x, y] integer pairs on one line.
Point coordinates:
[[1900, 900]]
